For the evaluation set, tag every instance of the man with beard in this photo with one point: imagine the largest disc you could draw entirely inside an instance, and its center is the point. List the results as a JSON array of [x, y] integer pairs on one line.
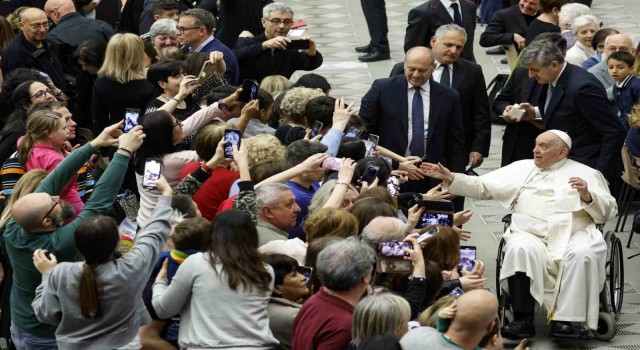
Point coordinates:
[[38, 223]]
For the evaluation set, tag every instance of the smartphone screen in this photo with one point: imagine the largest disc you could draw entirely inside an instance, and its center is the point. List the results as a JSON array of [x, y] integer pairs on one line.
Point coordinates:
[[131, 116], [393, 248], [371, 145], [152, 171], [457, 292], [331, 163], [232, 137], [249, 91], [426, 235], [307, 272], [436, 213], [370, 174], [352, 132], [315, 130], [467, 257], [299, 44]]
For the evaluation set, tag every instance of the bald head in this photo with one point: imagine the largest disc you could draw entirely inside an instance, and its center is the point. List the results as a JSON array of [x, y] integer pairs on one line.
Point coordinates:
[[30, 209], [34, 25], [618, 42], [56, 9], [383, 229], [477, 310], [418, 65]]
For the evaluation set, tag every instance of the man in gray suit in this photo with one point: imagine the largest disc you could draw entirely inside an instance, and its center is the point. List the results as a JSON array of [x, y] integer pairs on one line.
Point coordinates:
[[613, 43]]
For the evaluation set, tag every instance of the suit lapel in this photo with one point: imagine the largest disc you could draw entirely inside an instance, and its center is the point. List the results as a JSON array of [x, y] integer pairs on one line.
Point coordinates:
[[459, 72], [441, 12], [467, 15], [519, 19], [399, 93], [558, 91], [435, 94]]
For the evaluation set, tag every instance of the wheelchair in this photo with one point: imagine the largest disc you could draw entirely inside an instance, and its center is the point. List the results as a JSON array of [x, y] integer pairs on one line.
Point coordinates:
[[610, 296]]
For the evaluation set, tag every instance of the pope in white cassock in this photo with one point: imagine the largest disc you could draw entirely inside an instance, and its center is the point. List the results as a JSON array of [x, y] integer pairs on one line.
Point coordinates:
[[554, 256]]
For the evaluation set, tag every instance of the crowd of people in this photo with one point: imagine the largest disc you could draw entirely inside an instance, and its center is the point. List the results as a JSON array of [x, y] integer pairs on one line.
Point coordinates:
[[263, 211]]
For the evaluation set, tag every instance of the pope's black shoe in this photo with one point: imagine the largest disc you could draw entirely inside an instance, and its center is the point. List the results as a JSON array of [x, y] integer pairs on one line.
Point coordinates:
[[374, 56], [363, 49], [519, 330], [559, 328]]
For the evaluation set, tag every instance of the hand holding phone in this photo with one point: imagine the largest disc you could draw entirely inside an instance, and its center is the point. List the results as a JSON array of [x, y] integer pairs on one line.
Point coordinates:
[[369, 175], [131, 118], [249, 91], [317, 127], [394, 249], [152, 171], [468, 255], [371, 145], [331, 163], [232, 137]]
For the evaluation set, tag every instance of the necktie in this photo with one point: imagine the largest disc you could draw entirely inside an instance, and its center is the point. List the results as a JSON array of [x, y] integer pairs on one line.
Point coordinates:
[[445, 78], [549, 93], [417, 124], [457, 18]]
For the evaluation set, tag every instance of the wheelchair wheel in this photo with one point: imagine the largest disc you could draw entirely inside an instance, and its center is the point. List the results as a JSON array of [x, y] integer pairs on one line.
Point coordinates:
[[499, 259], [606, 327], [615, 274]]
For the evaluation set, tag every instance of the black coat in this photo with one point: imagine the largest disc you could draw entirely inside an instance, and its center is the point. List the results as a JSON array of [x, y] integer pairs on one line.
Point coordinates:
[[22, 54], [519, 138], [72, 30], [425, 19], [237, 16], [579, 107], [384, 110], [503, 25]]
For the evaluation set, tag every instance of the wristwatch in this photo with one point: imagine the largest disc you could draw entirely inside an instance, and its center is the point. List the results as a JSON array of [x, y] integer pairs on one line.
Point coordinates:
[[222, 106]]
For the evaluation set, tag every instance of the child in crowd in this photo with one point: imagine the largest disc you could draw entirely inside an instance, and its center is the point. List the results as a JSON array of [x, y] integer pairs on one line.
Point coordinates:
[[626, 90]]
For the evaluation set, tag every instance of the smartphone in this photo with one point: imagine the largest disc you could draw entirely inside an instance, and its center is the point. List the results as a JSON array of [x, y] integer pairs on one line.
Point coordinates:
[[131, 117], [392, 265], [435, 213], [299, 44], [393, 249], [315, 130], [369, 175], [152, 171], [371, 145], [205, 73], [423, 237], [307, 272], [352, 132], [467, 257], [232, 137], [457, 292], [249, 91], [331, 163]]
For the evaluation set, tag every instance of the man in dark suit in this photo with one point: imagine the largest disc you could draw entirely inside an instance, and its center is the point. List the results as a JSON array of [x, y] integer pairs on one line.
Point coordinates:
[[574, 101], [467, 79], [416, 116], [195, 31], [425, 19], [509, 26]]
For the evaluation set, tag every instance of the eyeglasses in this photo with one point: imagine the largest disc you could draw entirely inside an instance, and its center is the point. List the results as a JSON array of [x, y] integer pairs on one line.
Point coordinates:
[[36, 26], [41, 93], [55, 202], [181, 30], [278, 21]]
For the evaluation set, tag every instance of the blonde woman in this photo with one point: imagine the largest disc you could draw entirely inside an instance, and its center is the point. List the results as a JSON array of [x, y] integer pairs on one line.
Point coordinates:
[[121, 81], [275, 84], [383, 314]]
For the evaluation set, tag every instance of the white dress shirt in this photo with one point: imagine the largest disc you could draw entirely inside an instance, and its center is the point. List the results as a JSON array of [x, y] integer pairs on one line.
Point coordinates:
[[437, 74], [426, 99], [553, 84], [447, 5]]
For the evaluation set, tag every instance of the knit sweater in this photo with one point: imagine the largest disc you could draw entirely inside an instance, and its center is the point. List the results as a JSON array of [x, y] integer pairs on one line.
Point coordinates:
[[212, 314], [120, 283]]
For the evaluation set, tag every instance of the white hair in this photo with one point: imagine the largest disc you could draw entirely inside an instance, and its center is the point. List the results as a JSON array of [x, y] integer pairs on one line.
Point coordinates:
[[373, 233], [267, 194], [276, 7], [569, 12], [163, 26], [582, 21]]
